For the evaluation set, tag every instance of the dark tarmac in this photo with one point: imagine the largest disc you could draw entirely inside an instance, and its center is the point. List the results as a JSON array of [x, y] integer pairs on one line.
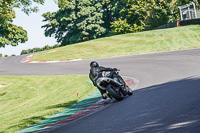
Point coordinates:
[[167, 98]]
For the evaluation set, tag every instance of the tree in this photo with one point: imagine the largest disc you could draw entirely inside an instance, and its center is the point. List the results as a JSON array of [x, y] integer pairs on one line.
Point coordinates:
[[158, 13], [80, 20], [46, 47], [149, 14], [122, 27], [135, 12], [56, 46], [132, 16], [23, 52], [75, 21], [25, 5], [11, 34], [183, 2], [111, 12]]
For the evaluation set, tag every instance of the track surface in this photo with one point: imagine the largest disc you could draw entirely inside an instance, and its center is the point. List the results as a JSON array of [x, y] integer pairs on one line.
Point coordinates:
[[166, 100]]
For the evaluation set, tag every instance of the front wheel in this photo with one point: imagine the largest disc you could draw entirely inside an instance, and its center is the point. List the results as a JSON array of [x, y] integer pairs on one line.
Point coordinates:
[[130, 92], [112, 90]]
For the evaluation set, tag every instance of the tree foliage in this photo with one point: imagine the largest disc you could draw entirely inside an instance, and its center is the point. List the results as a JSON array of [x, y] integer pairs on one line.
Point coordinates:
[[111, 12], [122, 27], [25, 5], [158, 13], [148, 13], [47, 47], [75, 21], [80, 20], [11, 34]]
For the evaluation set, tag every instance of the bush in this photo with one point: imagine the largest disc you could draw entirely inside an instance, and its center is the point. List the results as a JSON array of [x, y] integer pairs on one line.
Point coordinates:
[[122, 27], [47, 47]]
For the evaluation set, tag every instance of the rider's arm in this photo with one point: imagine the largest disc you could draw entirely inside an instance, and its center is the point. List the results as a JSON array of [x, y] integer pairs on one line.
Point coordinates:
[[106, 69]]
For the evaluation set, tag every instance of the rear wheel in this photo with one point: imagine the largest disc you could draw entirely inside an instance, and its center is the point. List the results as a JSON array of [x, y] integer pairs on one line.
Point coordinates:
[[115, 92]]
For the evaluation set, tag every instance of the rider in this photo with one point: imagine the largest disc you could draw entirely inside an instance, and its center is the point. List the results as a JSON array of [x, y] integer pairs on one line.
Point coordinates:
[[95, 73]]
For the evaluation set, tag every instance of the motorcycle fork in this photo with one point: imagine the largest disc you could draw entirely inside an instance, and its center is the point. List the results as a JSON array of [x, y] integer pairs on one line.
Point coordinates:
[[123, 86]]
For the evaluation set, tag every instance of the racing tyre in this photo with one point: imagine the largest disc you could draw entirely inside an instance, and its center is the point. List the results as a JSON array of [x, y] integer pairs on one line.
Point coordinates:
[[130, 92], [114, 93]]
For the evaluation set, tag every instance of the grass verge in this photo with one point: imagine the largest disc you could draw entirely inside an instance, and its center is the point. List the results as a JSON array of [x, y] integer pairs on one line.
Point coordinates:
[[25, 100], [127, 44]]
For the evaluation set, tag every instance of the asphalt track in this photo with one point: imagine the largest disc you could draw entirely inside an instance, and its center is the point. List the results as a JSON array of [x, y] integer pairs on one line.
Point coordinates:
[[166, 100]]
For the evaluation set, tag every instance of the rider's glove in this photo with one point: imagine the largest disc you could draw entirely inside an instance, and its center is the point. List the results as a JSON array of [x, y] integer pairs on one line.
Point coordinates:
[[115, 69]]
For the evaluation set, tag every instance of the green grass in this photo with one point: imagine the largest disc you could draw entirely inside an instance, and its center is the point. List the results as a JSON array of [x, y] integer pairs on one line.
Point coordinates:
[[25, 100], [127, 44]]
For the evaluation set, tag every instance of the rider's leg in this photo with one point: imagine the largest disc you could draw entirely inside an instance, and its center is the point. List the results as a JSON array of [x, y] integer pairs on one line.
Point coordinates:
[[103, 93]]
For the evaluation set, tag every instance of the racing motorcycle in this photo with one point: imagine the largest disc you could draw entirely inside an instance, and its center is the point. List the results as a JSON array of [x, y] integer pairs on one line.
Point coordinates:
[[114, 85]]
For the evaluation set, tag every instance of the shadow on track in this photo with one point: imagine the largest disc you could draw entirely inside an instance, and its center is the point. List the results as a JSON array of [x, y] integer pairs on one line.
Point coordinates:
[[168, 107]]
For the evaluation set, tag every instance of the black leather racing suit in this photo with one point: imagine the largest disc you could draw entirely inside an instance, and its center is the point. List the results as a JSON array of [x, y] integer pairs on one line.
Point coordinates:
[[95, 73]]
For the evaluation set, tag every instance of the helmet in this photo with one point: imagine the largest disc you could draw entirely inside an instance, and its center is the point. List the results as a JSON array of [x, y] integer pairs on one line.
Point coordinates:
[[94, 64]]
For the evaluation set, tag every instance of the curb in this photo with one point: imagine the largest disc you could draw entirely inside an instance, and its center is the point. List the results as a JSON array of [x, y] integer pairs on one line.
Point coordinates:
[[91, 104], [27, 60]]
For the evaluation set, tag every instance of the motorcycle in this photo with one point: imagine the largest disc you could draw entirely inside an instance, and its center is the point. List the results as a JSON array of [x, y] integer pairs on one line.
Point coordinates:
[[114, 85]]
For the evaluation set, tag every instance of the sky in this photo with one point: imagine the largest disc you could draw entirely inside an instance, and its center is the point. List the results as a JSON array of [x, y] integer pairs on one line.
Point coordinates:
[[32, 24]]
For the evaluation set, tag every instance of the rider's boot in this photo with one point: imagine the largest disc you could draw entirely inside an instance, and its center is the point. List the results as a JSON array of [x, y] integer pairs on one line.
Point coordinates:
[[104, 95], [109, 96]]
